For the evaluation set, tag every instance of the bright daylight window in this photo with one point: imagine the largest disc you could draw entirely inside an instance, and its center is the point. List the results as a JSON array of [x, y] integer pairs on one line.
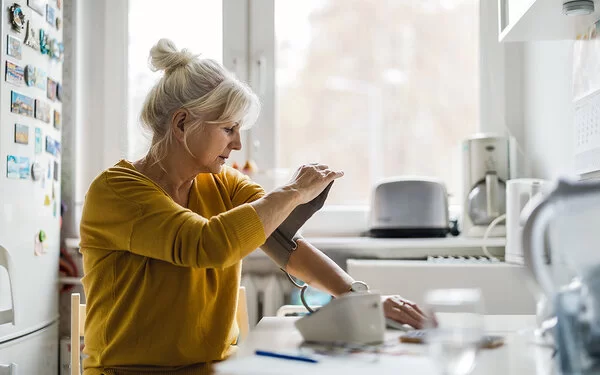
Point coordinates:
[[196, 25], [376, 88]]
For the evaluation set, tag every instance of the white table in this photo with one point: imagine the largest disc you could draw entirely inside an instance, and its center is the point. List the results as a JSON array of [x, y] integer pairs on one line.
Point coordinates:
[[519, 355]]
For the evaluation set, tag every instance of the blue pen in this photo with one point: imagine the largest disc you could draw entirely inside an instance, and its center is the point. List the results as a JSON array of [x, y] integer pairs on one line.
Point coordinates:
[[285, 356]]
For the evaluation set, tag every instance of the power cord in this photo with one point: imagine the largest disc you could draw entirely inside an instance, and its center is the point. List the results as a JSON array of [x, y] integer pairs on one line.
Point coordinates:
[[487, 233]]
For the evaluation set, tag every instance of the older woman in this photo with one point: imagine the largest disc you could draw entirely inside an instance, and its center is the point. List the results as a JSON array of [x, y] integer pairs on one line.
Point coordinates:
[[162, 237]]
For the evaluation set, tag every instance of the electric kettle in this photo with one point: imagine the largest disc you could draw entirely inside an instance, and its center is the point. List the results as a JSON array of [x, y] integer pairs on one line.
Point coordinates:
[[561, 244]]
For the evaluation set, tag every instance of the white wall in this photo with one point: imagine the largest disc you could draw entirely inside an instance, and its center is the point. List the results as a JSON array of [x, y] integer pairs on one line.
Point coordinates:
[[548, 108], [97, 122]]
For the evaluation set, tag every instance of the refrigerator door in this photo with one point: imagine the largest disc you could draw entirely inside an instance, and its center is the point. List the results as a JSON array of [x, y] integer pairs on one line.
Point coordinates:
[[30, 134], [35, 353]]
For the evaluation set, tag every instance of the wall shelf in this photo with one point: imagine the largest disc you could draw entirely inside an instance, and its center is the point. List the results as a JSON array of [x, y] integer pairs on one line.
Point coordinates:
[[527, 20]]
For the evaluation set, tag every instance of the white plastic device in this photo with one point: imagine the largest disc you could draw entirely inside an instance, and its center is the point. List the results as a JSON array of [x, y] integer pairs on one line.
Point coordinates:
[[353, 318]]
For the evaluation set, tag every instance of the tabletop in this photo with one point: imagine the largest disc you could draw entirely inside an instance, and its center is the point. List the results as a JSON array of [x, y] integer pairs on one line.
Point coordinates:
[[520, 354]]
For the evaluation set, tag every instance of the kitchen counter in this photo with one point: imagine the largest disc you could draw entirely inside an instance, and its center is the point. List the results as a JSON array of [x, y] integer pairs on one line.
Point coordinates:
[[402, 248]]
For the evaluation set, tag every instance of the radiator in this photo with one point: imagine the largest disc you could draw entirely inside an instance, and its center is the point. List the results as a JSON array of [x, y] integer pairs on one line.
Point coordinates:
[[265, 294]]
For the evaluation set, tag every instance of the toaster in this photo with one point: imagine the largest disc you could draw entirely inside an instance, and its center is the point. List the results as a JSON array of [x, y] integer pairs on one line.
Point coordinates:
[[409, 207]]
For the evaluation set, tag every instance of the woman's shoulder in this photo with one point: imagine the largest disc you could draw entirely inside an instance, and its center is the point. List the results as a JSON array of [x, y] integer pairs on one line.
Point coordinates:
[[229, 177], [121, 179]]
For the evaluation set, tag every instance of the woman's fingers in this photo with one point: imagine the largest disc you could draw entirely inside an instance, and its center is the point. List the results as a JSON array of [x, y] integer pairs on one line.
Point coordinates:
[[400, 315], [403, 311]]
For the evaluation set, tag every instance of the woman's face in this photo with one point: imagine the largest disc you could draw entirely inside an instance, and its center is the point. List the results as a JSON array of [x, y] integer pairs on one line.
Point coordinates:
[[212, 144]]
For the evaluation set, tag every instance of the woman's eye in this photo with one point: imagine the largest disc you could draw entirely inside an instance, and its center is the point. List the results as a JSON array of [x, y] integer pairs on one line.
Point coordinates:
[[229, 130]]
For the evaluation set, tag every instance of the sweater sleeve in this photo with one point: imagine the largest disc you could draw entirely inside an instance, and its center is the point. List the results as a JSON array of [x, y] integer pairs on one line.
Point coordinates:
[[164, 230], [242, 188]]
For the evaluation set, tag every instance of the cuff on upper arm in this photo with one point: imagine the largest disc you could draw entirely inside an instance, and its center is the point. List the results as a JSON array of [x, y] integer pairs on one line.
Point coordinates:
[[280, 247]]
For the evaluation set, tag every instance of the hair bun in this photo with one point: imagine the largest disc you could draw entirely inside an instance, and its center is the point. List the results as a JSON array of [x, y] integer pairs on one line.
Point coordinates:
[[165, 56]]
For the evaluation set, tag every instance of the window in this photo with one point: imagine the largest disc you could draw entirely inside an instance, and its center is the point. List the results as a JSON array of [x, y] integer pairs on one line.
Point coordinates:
[[195, 25], [376, 88]]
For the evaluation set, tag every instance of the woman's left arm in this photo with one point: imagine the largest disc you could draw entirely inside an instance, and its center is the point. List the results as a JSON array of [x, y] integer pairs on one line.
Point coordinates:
[[313, 267]]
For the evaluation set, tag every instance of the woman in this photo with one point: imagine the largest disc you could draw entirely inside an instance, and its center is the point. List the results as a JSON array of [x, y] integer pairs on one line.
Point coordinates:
[[162, 238]]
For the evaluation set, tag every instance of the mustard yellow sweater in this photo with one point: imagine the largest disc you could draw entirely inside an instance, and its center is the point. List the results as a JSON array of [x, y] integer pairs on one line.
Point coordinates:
[[161, 281]]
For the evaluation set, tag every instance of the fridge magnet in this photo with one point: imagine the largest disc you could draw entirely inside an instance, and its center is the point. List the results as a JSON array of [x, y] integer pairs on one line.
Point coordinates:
[[38, 140], [56, 49], [14, 73], [21, 134], [49, 175], [30, 38], [17, 17], [44, 42], [51, 89], [57, 121], [58, 4], [42, 110], [21, 104], [38, 247], [23, 168], [47, 200], [29, 75], [55, 172], [12, 167], [58, 23], [50, 15], [59, 91], [40, 78], [38, 5], [51, 147], [36, 171], [13, 47]]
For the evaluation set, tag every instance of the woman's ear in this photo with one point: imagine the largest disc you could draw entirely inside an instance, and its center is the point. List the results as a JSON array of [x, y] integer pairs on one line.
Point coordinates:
[[179, 122]]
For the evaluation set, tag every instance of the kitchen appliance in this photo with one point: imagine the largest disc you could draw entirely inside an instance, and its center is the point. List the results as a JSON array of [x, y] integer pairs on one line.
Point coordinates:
[[409, 207], [351, 319], [560, 242], [522, 195], [489, 160], [30, 134]]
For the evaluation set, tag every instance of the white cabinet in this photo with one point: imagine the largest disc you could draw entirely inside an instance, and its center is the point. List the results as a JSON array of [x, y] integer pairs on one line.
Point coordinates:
[[526, 20], [503, 286]]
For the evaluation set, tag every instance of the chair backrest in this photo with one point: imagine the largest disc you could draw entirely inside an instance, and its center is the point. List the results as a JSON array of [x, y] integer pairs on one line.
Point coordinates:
[[241, 314], [77, 327], [78, 323]]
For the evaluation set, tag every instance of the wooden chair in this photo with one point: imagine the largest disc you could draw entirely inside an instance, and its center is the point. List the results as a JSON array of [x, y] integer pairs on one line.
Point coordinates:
[[78, 323], [77, 326]]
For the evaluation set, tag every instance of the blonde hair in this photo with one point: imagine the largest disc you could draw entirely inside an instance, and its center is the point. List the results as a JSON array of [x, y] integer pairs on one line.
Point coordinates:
[[202, 86]]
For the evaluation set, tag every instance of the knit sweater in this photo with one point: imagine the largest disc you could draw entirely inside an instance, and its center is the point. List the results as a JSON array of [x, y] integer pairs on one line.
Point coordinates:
[[161, 281]]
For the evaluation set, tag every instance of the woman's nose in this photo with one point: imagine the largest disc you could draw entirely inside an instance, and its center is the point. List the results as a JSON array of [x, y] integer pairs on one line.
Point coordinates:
[[236, 144]]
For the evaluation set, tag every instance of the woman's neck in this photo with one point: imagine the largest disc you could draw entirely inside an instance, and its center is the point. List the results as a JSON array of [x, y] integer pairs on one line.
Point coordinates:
[[169, 175]]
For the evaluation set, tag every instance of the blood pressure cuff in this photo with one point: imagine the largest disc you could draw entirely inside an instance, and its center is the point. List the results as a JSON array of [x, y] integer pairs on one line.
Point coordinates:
[[282, 242]]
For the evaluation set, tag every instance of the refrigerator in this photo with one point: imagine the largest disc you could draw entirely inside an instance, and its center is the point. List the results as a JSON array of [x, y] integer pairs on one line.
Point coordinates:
[[30, 153]]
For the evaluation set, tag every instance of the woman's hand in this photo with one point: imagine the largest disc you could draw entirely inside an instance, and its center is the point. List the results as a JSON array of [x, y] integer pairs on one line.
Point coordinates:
[[310, 179], [403, 311]]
